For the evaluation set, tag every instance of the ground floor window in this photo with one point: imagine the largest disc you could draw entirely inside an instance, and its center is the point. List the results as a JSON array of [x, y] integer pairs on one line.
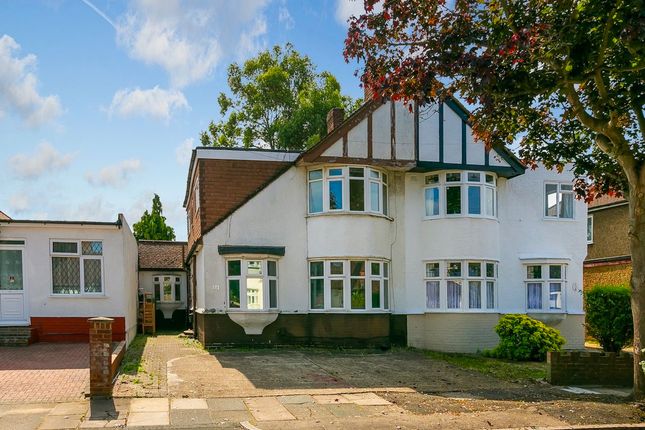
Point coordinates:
[[167, 288], [461, 285], [544, 286], [77, 267], [252, 284], [354, 284]]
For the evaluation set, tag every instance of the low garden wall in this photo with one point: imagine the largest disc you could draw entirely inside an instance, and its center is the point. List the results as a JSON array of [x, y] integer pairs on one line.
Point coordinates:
[[590, 368]]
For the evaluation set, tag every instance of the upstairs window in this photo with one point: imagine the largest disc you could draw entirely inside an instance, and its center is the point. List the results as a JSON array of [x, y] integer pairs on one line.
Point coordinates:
[[460, 194], [77, 267], [590, 229], [252, 284], [348, 189], [558, 201], [544, 287]]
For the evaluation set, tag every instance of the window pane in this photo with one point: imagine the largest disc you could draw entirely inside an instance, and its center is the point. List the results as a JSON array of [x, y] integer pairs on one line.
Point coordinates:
[[386, 301], [335, 172], [474, 200], [376, 294], [566, 206], [453, 200], [358, 293], [315, 174], [66, 275], [356, 195], [234, 268], [566, 187], [453, 294], [432, 179], [432, 294], [474, 269], [375, 196], [384, 178], [177, 292], [10, 269], [271, 268], [65, 247], [376, 269], [534, 299], [357, 268], [432, 270], [432, 201], [386, 270], [254, 293], [453, 177], [555, 295], [490, 201], [336, 267], [273, 293], [385, 210], [534, 272], [315, 196], [233, 293], [254, 267], [92, 276], [490, 270], [474, 177], [335, 195], [92, 248], [316, 268], [337, 293], [474, 295], [356, 172], [490, 179], [490, 295], [590, 229], [167, 290], [157, 292], [317, 293], [551, 200], [555, 272], [454, 268], [375, 174]]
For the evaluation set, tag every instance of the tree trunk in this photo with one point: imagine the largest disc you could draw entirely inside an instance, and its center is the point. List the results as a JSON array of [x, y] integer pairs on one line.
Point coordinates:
[[637, 244]]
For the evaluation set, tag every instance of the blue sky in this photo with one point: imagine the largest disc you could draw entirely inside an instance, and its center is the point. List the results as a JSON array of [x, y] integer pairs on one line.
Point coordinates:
[[102, 100]]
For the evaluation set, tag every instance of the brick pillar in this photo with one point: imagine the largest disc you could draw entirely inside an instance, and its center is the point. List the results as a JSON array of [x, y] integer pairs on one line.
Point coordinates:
[[100, 356]]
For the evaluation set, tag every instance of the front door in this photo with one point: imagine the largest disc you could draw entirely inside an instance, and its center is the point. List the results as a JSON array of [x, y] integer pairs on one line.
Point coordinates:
[[12, 293]]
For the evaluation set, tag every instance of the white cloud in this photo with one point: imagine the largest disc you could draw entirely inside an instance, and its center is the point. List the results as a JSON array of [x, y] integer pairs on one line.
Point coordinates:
[[347, 8], [19, 202], [116, 175], [252, 41], [186, 38], [46, 158], [18, 87], [94, 209], [155, 102], [184, 151], [284, 17]]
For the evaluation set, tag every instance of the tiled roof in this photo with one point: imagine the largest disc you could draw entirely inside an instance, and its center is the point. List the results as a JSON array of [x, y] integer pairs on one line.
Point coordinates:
[[606, 200], [160, 254]]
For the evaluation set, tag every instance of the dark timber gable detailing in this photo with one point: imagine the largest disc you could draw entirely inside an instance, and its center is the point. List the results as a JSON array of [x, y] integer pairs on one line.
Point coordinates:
[[245, 249], [416, 131], [486, 156], [392, 130], [463, 142], [503, 171], [345, 145], [369, 136], [458, 109], [441, 132]]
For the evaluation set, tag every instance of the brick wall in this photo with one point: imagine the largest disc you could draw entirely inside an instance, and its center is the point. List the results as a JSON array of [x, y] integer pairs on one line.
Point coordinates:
[[590, 368], [70, 329], [100, 334], [607, 274]]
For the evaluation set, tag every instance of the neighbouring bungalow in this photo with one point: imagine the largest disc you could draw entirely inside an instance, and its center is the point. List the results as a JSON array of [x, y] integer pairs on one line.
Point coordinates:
[[162, 275], [396, 228], [54, 275]]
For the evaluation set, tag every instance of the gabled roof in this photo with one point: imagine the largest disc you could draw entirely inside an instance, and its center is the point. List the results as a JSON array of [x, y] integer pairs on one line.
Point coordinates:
[[4, 216], [606, 201], [161, 255]]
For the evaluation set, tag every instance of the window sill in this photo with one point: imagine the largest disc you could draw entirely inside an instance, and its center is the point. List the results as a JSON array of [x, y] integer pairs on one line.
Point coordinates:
[[79, 296], [546, 218], [174, 302], [462, 311], [351, 213], [252, 311], [431, 218], [350, 311]]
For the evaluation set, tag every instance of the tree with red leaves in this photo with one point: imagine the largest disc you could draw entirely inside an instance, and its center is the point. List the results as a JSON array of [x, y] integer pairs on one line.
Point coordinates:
[[563, 78]]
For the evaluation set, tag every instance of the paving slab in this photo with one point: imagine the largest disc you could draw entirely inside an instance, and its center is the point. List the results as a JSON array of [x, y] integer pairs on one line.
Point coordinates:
[[108, 409], [140, 419], [366, 399], [188, 404], [75, 408], [295, 400], [348, 410], [330, 399], [97, 424], [310, 411], [226, 417], [21, 422], [268, 409], [149, 405], [230, 404], [60, 422], [189, 418]]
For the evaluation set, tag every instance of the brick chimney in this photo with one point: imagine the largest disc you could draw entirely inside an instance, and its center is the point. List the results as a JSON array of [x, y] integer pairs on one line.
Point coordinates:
[[334, 118]]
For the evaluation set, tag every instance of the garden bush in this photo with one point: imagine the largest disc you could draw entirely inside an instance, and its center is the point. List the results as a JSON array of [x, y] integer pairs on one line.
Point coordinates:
[[609, 316], [522, 338]]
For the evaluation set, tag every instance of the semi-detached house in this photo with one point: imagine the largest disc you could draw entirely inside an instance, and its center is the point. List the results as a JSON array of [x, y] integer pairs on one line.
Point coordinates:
[[396, 228]]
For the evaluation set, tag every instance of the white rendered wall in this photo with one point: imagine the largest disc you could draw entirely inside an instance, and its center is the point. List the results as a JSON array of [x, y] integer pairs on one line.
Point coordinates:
[[146, 282]]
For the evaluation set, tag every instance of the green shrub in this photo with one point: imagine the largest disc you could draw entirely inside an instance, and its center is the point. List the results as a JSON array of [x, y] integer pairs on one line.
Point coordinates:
[[609, 316], [523, 338]]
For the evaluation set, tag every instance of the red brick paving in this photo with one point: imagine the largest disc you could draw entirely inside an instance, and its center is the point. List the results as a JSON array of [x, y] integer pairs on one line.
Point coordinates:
[[44, 372]]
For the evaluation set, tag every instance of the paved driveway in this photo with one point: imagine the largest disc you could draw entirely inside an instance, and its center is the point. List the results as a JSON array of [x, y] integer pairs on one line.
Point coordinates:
[[44, 372]]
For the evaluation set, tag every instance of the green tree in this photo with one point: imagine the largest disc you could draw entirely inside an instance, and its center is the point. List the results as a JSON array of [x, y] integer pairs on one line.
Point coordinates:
[[564, 78], [152, 226], [277, 99]]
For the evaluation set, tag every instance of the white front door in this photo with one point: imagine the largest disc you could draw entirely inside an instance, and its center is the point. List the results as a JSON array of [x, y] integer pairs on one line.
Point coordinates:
[[12, 292]]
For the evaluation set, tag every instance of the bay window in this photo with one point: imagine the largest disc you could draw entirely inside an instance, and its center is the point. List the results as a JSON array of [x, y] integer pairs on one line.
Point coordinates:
[[252, 284], [558, 201], [354, 285], [545, 287], [460, 194], [77, 267], [347, 189], [460, 285], [167, 288]]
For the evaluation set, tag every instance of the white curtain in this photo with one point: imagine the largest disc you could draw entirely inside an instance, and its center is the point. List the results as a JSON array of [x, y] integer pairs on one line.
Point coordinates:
[[534, 295], [475, 294], [490, 295], [432, 294], [454, 294]]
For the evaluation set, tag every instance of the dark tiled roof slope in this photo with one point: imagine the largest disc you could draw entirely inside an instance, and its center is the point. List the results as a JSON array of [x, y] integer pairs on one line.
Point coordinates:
[[161, 255]]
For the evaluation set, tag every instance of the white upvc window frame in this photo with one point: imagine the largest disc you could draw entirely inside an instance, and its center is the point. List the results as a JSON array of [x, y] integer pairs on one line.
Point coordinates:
[[371, 177], [243, 278], [546, 281], [559, 198], [380, 277], [82, 258], [175, 286], [589, 229], [486, 183], [463, 278]]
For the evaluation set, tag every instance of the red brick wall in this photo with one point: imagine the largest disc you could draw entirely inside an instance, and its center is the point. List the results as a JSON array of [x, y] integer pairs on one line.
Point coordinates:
[[70, 329]]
